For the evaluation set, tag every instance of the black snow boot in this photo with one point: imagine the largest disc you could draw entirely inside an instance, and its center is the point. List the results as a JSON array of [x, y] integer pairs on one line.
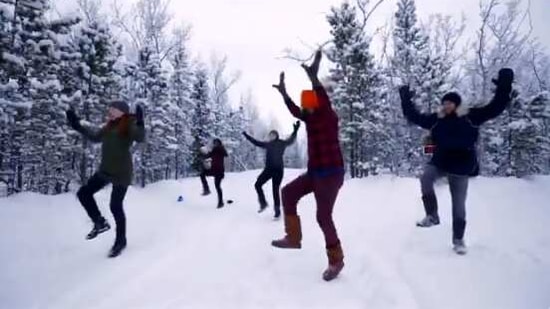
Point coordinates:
[[100, 227], [206, 192], [263, 207], [459, 227], [430, 206], [117, 249]]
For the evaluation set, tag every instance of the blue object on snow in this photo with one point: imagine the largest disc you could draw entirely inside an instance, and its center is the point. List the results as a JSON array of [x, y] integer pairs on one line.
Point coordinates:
[[180, 198]]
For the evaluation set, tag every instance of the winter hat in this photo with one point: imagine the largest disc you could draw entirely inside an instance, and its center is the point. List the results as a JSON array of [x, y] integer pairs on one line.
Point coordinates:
[[121, 106], [309, 99], [274, 132], [453, 97]]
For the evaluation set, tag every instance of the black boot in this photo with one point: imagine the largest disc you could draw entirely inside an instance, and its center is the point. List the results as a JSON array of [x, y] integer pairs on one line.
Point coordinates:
[[263, 207], [205, 192], [430, 206], [459, 227], [277, 213], [117, 248], [100, 227]]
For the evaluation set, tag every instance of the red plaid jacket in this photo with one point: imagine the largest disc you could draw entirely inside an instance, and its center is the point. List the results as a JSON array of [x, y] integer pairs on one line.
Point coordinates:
[[325, 156]]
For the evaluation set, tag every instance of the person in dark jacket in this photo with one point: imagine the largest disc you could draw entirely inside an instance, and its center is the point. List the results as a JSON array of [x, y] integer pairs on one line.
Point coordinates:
[[325, 170], [215, 166], [454, 133], [274, 166], [116, 167]]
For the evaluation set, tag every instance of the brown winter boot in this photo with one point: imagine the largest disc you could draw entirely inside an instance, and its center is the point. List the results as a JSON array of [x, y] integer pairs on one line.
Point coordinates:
[[293, 238], [335, 263]]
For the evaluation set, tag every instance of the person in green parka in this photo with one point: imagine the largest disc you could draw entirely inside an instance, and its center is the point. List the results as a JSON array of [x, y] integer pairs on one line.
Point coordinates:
[[116, 168]]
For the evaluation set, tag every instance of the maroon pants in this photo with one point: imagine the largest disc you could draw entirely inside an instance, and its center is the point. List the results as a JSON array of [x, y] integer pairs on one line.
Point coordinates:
[[325, 190]]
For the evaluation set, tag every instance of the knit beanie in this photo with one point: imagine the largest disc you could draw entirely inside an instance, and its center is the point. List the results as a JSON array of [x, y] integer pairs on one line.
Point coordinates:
[[121, 106], [453, 97]]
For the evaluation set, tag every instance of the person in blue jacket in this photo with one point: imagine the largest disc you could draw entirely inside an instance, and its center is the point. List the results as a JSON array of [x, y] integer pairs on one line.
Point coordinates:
[[455, 132]]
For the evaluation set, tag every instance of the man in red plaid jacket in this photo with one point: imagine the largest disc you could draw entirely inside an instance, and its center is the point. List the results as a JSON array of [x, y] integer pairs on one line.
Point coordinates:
[[325, 174]]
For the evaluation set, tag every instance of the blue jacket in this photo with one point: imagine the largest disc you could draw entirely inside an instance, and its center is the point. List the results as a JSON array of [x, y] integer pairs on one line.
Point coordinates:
[[455, 136]]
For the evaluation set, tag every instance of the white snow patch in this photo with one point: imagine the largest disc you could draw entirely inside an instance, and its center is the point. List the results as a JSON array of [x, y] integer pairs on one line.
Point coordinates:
[[190, 255]]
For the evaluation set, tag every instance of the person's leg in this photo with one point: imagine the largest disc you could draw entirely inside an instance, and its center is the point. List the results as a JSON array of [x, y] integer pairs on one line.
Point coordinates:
[[427, 181], [292, 193], [262, 179], [459, 192], [276, 183], [86, 196], [326, 191], [117, 209], [218, 182], [205, 187]]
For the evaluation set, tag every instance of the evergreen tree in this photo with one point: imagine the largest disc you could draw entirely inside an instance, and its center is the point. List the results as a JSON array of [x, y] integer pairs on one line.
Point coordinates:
[[97, 80], [151, 89], [202, 117], [181, 83], [414, 64], [354, 82]]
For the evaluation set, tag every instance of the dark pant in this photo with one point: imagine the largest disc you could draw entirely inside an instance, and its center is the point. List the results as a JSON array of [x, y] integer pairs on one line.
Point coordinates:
[[325, 190], [217, 182], [459, 191], [86, 196], [276, 177]]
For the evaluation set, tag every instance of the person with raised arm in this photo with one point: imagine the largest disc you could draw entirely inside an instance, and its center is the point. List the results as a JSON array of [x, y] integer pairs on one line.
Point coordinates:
[[274, 166], [325, 169], [116, 167], [215, 167], [454, 132]]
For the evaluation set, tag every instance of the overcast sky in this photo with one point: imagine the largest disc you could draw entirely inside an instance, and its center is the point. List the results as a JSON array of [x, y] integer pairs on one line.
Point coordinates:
[[254, 33]]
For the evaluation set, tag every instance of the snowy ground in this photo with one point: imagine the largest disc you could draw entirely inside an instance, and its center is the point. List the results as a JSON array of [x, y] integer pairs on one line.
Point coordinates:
[[190, 255]]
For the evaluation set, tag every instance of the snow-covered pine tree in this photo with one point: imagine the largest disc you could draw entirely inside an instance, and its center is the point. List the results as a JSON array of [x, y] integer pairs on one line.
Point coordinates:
[[201, 121], [415, 65], [97, 81], [181, 83], [529, 147], [43, 45], [152, 93], [354, 82]]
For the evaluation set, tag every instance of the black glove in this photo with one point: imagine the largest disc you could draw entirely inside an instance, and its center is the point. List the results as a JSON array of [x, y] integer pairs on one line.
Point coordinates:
[[73, 120], [405, 93], [139, 116], [505, 79], [297, 126], [281, 86]]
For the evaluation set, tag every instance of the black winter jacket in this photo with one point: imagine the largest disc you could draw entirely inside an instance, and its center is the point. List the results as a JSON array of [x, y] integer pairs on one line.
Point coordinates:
[[455, 136], [275, 150]]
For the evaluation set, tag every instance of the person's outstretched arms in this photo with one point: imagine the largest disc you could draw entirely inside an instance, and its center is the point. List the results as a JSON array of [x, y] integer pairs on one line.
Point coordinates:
[[425, 121], [289, 141], [74, 122], [500, 101], [312, 72], [292, 107], [254, 141], [137, 129]]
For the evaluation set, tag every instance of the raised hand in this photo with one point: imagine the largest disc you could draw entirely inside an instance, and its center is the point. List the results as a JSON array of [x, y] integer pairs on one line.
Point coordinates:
[[139, 116], [405, 93], [313, 69], [73, 119], [505, 78], [281, 86], [297, 125]]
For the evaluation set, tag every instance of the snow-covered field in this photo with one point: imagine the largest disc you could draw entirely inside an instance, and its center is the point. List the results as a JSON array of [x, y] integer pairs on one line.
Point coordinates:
[[190, 255]]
